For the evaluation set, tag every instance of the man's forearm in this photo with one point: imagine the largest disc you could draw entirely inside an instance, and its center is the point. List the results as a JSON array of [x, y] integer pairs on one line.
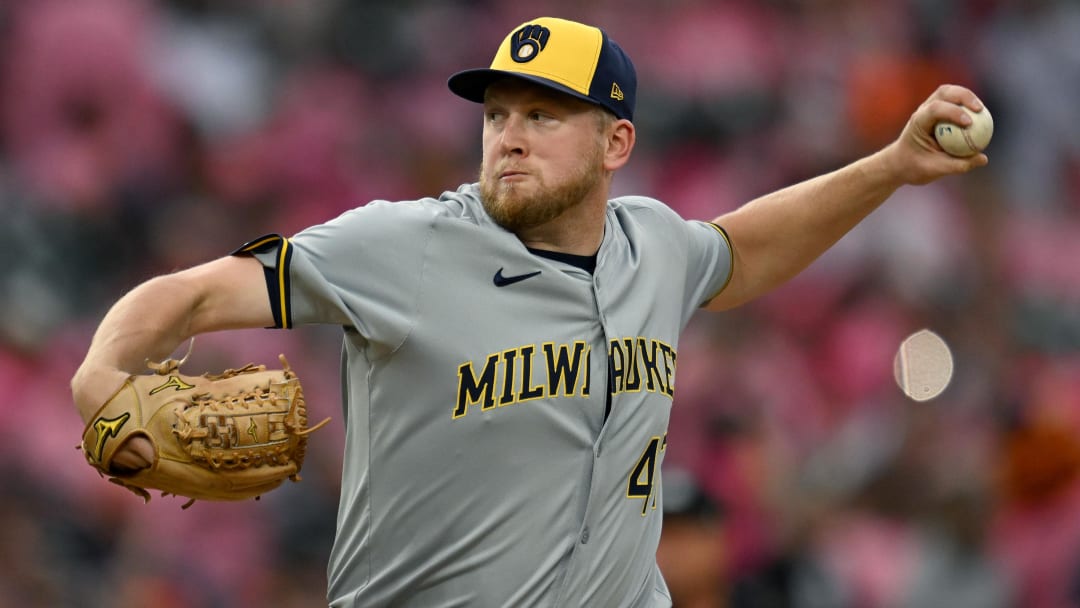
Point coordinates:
[[149, 322], [778, 235]]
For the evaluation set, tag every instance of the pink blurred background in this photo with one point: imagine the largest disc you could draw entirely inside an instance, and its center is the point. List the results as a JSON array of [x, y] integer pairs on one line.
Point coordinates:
[[139, 137]]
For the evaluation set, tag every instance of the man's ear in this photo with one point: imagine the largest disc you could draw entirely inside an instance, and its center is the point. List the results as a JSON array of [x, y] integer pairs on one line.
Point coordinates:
[[620, 143]]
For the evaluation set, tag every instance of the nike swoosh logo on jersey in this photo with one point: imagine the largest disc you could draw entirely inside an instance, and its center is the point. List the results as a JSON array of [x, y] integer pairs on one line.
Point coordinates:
[[503, 281]]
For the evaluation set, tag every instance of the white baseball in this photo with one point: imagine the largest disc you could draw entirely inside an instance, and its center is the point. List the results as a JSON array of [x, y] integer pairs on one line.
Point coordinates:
[[923, 365], [966, 141]]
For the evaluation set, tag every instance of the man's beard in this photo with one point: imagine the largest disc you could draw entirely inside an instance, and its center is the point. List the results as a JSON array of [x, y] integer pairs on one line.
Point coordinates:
[[517, 211]]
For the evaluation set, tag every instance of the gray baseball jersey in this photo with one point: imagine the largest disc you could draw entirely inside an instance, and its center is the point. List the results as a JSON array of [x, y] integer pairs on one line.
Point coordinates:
[[505, 413]]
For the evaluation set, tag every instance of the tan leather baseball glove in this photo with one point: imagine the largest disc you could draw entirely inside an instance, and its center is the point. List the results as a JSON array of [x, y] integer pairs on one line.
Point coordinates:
[[228, 436]]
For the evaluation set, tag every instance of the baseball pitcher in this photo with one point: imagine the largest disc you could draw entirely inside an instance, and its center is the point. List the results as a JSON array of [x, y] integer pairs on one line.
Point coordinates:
[[510, 348]]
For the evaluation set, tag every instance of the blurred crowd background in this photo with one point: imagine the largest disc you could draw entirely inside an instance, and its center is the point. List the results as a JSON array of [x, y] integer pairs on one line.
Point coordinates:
[[139, 137]]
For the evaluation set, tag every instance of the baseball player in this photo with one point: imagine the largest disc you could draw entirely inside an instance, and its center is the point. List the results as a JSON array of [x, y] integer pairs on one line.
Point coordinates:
[[510, 347]]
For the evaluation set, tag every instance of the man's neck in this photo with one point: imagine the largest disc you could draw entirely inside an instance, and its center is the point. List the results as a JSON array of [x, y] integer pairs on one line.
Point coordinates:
[[578, 231]]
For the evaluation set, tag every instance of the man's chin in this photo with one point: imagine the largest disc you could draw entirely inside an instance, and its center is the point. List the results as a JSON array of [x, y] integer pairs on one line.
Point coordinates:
[[502, 202], [507, 216], [517, 207]]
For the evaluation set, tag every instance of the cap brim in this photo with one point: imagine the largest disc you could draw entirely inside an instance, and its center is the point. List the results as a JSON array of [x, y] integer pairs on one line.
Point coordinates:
[[471, 84]]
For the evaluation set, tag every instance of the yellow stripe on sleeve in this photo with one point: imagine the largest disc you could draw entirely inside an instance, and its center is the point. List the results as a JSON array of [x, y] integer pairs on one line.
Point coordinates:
[[282, 285], [731, 255]]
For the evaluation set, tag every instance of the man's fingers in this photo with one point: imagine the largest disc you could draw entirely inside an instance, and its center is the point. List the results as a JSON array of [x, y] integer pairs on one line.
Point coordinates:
[[958, 95], [135, 454], [963, 165], [947, 104], [938, 110]]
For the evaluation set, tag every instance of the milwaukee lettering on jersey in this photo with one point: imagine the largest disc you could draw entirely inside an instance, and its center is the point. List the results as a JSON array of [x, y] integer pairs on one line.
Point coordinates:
[[530, 372]]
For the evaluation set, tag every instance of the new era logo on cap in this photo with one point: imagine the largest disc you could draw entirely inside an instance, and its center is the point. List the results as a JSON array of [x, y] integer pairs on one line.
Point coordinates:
[[571, 57]]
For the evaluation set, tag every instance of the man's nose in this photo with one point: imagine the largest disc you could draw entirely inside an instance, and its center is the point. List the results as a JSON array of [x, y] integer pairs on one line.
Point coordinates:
[[513, 138]]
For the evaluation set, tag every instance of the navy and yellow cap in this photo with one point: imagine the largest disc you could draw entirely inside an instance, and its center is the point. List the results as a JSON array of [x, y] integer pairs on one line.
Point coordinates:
[[567, 56]]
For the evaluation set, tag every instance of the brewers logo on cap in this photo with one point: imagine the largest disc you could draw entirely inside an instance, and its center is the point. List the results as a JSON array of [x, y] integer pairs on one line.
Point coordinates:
[[571, 57], [527, 42]]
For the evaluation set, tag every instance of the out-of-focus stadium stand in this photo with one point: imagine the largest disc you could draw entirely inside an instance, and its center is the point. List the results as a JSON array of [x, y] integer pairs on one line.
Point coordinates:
[[138, 137]]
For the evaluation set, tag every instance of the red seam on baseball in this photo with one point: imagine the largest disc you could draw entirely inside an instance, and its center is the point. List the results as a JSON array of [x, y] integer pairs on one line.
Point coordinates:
[[967, 139]]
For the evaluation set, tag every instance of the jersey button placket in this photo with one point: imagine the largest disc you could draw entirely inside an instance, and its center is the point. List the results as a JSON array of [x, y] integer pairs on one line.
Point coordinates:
[[585, 536], [599, 307]]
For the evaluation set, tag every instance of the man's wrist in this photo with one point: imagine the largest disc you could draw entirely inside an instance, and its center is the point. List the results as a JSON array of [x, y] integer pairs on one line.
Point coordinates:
[[93, 385], [883, 170]]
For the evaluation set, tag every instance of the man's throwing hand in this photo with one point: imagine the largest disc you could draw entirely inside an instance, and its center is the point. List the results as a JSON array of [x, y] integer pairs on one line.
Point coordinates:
[[915, 156]]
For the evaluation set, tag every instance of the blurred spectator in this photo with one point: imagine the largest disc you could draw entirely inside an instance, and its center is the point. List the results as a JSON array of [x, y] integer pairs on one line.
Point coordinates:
[[691, 551], [83, 122], [1029, 55]]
